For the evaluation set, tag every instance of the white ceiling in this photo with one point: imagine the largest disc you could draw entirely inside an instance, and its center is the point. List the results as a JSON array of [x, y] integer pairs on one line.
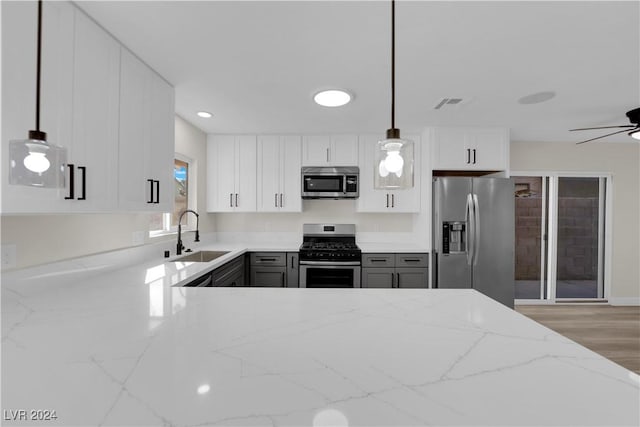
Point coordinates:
[[256, 65]]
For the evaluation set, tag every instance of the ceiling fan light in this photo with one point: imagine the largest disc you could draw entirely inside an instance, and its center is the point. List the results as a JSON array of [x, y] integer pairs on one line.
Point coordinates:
[[635, 134]]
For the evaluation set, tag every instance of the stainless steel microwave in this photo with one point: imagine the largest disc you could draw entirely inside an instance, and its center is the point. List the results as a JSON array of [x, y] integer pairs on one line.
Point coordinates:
[[330, 182]]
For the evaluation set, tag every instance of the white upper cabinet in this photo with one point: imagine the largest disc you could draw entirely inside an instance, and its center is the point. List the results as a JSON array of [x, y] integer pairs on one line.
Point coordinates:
[[480, 149], [19, 20], [389, 201], [146, 138], [231, 173], [279, 162], [330, 150], [115, 117], [93, 155]]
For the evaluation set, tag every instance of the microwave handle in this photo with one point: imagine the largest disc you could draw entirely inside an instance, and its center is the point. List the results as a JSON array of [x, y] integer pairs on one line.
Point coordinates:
[[344, 184]]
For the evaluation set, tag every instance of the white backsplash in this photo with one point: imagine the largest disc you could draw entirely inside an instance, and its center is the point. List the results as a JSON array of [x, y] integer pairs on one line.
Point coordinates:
[[316, 211]]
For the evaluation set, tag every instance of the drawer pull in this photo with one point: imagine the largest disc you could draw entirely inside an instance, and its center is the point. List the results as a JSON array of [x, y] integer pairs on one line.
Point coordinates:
[[411, 260], [377, 260]]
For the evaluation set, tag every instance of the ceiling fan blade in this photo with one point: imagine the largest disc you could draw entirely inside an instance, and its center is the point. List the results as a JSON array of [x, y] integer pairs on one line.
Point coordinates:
[[605, 127], [603, 136]]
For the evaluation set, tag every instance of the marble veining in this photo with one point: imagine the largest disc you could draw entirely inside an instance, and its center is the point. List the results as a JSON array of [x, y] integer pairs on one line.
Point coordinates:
[[128, 348]]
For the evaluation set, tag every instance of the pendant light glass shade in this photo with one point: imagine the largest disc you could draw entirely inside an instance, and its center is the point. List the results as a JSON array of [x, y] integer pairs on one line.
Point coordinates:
[[34, 162], [393, 165]]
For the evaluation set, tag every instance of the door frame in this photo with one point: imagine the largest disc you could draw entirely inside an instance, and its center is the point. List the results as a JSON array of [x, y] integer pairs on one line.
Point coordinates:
[[551, 228]]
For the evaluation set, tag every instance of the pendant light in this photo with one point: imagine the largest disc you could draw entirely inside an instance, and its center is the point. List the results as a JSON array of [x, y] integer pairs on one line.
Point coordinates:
[[34, 161], [393, 167]]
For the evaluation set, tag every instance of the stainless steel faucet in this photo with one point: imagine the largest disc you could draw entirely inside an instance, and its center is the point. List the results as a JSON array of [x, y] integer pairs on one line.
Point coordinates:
[[180, 247]]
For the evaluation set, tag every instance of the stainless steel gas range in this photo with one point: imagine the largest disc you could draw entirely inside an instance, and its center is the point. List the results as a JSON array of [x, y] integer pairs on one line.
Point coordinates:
[[329, 256]]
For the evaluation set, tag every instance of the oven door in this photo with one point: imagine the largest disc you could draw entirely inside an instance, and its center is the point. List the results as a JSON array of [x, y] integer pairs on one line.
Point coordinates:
[[333, 275]]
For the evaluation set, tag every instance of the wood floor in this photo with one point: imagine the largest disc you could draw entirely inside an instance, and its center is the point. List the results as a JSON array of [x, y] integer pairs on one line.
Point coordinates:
[[613, 332]]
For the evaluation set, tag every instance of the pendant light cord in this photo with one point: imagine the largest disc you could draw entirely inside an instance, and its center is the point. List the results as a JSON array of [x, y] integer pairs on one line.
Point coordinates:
[[39, 50], [393, 64]]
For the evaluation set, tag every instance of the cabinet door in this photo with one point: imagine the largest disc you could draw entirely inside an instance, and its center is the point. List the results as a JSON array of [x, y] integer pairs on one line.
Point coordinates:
[[269, 163], [344, 150], [19, 20], [244, 198], [370, 200], [268, 276], [95, 117], [293, 270], [290, 180], [316, 150], [161, 147], [470, 148], [489, 149], [377, 277], [134, 183], [412, 277], [450, 148], [220, 173]]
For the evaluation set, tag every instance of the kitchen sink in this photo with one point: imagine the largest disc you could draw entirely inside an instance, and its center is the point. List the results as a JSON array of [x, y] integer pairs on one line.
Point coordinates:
[[201, 256]]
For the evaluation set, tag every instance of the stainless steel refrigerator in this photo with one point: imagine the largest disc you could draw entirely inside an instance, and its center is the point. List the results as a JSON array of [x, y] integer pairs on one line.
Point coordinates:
[[473, 235]]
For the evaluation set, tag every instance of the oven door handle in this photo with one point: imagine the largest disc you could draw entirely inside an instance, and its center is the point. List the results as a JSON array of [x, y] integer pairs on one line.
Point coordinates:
[[332, 263]]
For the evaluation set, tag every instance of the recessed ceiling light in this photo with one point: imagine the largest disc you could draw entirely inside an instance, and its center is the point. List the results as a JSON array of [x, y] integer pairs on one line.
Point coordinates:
[[536, 98], [204, 114], [332, 98]]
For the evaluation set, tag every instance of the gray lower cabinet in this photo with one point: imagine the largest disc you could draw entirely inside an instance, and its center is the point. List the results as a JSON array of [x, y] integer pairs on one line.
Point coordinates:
[[268, 269], [395, 270], [293, 270], [230, 274]]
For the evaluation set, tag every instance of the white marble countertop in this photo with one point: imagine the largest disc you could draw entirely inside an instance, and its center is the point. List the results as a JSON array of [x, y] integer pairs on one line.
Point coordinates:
[[126, 348]]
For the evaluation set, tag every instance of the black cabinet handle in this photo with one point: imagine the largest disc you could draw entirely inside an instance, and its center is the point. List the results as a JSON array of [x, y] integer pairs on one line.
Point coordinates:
[[387, 199], [474, 156], [411, 260], [236, 200], [275, 200], [393, 280], [157, 201], [398, 280], [84, 182], [280, 199], [72, 179], [468, 156], [150, 181], [230, 200], [377, 260], [269, 259], [393, 200]]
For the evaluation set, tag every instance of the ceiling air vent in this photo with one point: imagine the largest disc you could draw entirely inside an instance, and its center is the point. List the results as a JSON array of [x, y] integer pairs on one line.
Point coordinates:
[[449, 102]]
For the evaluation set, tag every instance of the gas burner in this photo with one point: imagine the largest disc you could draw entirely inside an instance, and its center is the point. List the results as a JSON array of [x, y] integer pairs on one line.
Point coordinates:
[[330, 243]]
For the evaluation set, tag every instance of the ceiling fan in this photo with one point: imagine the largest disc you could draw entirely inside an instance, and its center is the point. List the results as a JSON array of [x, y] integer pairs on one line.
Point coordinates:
[[633, 129]]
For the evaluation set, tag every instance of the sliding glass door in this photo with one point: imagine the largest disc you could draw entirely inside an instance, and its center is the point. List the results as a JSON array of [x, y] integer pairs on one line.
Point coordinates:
[[580, 226], [531, 248], [561, 244]]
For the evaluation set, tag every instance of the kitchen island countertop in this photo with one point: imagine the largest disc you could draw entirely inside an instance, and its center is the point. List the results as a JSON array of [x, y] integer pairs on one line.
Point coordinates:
[[127, 348]]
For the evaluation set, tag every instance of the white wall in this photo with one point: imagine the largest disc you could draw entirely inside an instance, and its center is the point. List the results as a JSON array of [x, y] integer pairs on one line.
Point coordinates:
[[623, 162], [40, 239]]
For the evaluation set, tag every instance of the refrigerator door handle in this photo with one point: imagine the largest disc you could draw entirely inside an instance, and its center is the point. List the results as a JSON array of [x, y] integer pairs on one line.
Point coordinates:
[[470, 229], [476, 229]]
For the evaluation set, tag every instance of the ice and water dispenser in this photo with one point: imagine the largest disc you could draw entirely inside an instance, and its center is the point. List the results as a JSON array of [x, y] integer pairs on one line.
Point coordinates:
[[454, 237]]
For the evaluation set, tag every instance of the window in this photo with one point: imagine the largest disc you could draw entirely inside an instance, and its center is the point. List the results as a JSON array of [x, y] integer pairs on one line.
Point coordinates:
[[162, 223]]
